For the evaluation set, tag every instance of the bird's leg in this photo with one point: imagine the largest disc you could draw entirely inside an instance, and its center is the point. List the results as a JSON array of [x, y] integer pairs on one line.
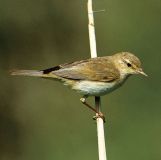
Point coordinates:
[[99, 114]]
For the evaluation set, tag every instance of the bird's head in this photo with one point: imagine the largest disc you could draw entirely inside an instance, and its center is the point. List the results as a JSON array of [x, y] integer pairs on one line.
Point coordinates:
[[128, 64]]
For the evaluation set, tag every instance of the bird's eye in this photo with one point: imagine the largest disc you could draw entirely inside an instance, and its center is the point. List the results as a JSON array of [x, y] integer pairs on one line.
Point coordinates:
[[128, 64]]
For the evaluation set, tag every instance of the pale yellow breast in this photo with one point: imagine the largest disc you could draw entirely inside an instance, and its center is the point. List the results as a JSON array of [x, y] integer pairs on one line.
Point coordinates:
[[93, 88]]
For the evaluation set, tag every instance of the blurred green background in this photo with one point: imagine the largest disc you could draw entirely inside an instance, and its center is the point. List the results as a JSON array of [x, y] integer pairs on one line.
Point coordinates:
[[41, 119]]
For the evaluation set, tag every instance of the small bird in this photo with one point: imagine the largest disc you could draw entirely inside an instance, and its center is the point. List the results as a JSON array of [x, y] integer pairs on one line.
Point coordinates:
[[92, 77]]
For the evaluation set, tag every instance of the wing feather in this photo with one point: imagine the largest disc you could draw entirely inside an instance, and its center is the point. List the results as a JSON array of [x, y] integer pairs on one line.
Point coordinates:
[[95, 69]]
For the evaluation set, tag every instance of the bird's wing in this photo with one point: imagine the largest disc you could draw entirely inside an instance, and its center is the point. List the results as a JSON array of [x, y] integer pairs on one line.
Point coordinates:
[[95, 69]]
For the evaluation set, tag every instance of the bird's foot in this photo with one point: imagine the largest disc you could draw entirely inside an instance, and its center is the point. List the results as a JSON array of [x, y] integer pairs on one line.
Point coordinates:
[[83, 99], [99, 115]]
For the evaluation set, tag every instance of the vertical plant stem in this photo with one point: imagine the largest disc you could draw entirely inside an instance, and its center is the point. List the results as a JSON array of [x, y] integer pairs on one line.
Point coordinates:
[[93, 49], [92, 37], [100, 132]]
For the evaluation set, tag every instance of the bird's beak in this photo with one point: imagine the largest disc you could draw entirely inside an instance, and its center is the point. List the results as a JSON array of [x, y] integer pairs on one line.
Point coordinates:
[[140, 71]]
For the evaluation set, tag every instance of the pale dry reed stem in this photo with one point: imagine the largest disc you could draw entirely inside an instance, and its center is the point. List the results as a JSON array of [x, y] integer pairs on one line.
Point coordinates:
[[93, 49]]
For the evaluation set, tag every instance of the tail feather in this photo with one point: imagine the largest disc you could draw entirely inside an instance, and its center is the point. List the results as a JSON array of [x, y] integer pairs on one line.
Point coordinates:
[[35, 73]]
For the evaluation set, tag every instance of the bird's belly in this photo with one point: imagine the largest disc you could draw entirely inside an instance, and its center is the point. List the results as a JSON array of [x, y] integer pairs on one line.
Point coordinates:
[[93, 88]]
